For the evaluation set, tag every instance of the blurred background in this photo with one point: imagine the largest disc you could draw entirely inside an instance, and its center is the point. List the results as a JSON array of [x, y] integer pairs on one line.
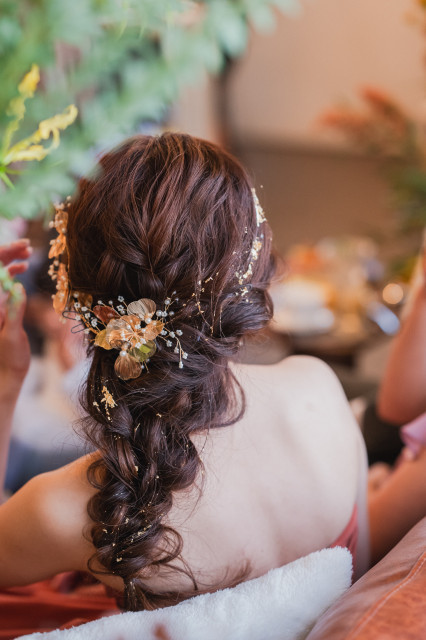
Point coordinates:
[[322, 100]]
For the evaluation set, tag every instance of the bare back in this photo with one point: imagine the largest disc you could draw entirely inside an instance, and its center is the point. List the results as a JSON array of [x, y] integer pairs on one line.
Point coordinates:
[[279, 484]]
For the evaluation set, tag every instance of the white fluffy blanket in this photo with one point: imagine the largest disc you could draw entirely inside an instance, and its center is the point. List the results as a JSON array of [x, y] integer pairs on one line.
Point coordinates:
[[281, 605]]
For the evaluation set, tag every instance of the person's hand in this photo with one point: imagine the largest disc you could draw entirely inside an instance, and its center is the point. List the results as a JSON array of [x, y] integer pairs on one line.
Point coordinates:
[[15, 255], [14, 346]]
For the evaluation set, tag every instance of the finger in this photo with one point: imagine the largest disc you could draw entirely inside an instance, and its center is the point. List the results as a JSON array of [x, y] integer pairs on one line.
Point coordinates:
[[16, 268], [15, 309], [18, 250]]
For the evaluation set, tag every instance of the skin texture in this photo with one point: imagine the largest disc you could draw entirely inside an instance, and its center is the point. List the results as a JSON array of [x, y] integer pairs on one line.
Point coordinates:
[[14, 346], [400, 500], [402, 395], [397, 505]]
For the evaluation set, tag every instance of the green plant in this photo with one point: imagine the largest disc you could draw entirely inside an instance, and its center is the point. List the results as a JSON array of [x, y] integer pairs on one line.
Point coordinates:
[[122, 62]]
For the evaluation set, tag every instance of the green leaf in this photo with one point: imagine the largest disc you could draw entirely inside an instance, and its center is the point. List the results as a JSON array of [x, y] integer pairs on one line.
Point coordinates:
[[122, 62]]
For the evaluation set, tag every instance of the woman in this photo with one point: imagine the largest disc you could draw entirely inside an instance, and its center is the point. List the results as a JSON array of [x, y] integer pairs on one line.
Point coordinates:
[[206, 472]]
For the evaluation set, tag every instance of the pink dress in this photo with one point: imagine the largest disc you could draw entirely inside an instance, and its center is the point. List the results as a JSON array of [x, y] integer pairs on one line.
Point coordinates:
[[414, 434]]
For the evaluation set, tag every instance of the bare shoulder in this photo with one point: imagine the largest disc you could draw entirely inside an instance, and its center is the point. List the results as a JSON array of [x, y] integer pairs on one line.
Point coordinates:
[[299, 365], [61, 496], [295, 383], [44, 526], [309, 369]]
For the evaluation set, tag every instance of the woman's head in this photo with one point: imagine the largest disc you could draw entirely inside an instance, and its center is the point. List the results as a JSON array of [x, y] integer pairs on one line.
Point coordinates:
[[164, 217], [164, 214]]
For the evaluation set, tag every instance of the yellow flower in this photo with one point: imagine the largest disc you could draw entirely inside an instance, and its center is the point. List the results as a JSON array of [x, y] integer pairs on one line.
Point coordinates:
[[30, 148], [61, 121], [29, 82], [16, 108]]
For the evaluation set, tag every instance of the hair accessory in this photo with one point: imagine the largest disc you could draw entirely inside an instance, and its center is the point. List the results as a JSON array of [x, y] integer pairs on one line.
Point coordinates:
[[57, 270], [130, 328], [260, 214], [255, 247], [109, 401]]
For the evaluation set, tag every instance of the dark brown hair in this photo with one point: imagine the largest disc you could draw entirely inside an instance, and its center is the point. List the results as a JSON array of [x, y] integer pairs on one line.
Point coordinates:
[[163, 214]]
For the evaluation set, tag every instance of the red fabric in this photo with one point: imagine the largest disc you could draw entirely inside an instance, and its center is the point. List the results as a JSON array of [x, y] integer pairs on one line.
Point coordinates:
[[62, 602], [349, 536]]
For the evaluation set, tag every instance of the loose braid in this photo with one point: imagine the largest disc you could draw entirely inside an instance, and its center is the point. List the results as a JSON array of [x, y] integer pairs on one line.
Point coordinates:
[[163, 215]]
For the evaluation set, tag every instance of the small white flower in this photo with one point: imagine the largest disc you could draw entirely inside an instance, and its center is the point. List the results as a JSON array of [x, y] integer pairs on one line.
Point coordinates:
[[121, 309], [178, 332], [176, 350], [164, 332], [94, 322], [84, 308], [184, 355], [148, 320], [171, 313], [110, 302], [99, 301], [77, 305], [168, 343], [159, 313], [172, 334], [181, 365], [120, 299], [167, 301], [87, 315], [137, 326]]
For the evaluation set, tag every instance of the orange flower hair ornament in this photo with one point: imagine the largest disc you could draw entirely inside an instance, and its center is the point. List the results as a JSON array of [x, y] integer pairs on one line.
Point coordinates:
[[132, 329]]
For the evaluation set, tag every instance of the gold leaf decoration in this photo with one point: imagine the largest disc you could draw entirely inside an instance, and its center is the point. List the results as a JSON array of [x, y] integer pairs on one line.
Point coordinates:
[[126, 367], [104, 313], [153, 329], [101, 340], [142, 308], [120, 331]]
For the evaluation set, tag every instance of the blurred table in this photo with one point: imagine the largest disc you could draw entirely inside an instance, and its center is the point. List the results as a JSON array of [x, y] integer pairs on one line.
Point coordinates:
[[334, 347]]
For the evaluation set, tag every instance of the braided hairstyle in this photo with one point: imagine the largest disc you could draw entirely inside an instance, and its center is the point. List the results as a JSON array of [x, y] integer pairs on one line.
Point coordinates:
[[163, 214]]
